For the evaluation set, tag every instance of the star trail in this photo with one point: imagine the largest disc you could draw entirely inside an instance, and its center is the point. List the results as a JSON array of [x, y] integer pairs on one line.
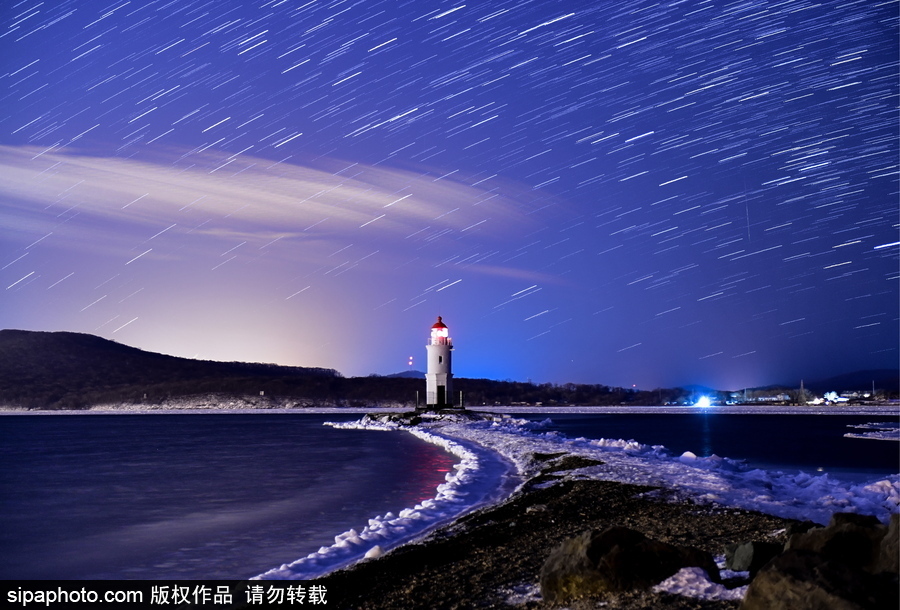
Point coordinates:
[[641, 193]]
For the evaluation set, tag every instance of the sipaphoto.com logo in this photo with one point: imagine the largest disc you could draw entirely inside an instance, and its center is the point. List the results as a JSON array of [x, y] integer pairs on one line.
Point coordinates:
[[22, 596]]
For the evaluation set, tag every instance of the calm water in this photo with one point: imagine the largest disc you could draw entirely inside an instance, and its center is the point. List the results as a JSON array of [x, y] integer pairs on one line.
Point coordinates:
[[812, 443], [194, 496], [230, 496]]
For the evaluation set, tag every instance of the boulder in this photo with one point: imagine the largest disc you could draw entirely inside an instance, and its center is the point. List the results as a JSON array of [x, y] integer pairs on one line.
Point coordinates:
[[615, 559], [849, 538], [800, 527], [750, 556], [806, 580], [889, 552]]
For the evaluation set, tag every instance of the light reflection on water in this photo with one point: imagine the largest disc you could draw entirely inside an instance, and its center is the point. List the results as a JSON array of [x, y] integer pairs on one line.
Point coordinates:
[[707, 436], [204, 496]]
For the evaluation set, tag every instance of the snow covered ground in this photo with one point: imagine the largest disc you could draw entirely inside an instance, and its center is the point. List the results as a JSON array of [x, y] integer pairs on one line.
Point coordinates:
[[229, 404], [714, 478], [711, 479]]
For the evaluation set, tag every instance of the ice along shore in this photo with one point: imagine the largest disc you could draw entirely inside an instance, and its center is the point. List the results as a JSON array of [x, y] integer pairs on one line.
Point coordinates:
[[564, 487]]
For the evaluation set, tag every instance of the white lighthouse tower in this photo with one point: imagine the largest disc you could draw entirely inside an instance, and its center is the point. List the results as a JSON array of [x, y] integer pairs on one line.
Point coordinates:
[[439, 378]]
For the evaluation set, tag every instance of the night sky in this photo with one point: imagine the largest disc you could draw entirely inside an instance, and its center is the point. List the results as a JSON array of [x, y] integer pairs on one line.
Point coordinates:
[[628, 193]]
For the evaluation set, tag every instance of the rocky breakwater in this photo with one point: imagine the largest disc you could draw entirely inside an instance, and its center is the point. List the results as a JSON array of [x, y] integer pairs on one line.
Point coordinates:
[[565, 539]]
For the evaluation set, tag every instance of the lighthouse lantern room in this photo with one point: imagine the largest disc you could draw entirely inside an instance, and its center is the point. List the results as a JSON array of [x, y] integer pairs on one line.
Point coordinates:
[[439, 378]]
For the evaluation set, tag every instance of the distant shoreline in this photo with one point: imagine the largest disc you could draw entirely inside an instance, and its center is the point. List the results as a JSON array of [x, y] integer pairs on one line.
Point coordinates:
[[201, 411], [133, 409]]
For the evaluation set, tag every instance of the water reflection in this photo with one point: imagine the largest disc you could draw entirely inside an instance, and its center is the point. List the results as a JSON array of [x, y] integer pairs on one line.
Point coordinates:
[[707, 436]]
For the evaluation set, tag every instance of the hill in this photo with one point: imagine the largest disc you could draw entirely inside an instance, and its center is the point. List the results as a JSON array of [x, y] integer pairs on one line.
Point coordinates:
[[860, 381], [67, 370], [408, 375]]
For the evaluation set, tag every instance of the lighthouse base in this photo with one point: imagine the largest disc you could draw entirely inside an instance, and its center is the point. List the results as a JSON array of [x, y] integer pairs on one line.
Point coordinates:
[[438, 397], [438, 401], [444, 410]]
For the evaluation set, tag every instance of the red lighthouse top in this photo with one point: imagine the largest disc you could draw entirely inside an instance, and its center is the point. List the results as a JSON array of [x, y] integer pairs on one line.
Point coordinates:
[[440, 334]]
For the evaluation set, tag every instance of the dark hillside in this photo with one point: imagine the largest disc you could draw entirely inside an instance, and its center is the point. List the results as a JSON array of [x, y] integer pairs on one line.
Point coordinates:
[[885, 380], [72, 370]]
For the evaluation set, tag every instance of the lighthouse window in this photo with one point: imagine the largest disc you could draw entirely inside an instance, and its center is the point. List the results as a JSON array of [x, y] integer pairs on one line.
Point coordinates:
[[440, 359]]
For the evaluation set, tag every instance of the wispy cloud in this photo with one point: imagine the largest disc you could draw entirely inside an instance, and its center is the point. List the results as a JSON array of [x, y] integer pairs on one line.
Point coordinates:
[[113, 199], [252, 260]]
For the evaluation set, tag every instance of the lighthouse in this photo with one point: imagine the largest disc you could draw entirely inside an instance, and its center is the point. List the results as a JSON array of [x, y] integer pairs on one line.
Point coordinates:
[[439, 378]]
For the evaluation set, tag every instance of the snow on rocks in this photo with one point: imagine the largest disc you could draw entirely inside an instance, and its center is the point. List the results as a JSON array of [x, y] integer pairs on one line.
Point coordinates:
[[695, 582], [716, 479]]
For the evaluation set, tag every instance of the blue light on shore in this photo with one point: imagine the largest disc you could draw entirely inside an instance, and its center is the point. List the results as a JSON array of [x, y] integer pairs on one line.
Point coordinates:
[[703, 402]]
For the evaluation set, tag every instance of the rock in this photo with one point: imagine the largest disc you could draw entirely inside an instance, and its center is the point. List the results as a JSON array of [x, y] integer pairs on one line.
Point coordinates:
[[855, 519], [750, 556], [799, 527], [849, 538], [889, 552], [806, 580], [849, 565], [570, 462], [614, 560]]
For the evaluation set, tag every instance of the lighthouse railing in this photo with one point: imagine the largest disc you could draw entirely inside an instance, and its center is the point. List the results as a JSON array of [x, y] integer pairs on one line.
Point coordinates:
[[440, 341]]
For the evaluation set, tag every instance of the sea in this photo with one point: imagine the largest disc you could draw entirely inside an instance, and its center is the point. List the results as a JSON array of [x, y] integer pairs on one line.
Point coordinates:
[[815, 444], [230, 496], [194, 496]]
